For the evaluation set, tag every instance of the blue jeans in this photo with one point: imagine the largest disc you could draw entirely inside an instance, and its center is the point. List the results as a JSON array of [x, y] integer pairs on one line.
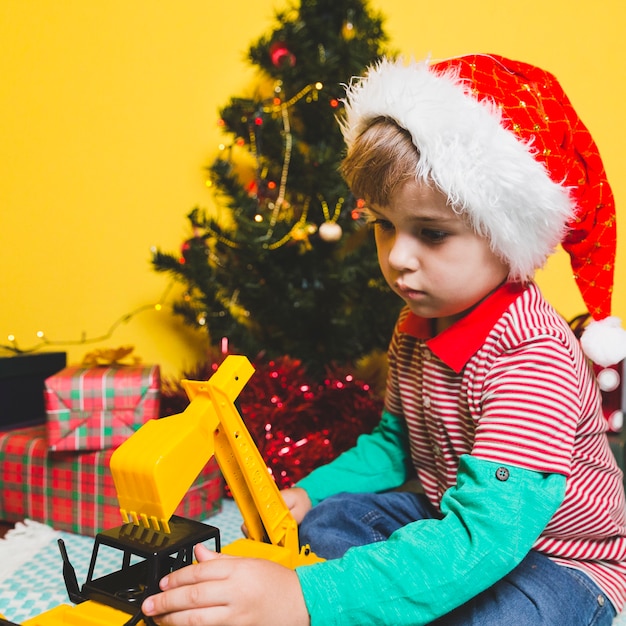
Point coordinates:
[[538, 592]]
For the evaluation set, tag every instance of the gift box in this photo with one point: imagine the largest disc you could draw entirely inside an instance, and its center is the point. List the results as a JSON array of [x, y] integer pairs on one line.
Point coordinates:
[[74, 491], [98, 408], [22, 384]]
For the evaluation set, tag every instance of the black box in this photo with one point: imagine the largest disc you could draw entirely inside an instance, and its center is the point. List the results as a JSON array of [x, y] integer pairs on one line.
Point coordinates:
[[22, 383]]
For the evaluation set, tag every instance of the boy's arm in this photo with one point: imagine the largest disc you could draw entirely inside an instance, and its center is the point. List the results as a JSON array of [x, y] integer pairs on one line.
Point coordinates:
[[377, 462], [491, 519]]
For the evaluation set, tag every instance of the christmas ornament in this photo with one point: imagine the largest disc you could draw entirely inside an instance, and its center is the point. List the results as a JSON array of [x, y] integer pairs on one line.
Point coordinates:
[[281, 56], [348, 31], [191, 245], [301, 232], [610, 380], [613, 391], [330, 231]]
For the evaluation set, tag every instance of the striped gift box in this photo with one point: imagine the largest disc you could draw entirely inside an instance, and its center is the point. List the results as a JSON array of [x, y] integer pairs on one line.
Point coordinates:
[[74, 491], [99, 408]]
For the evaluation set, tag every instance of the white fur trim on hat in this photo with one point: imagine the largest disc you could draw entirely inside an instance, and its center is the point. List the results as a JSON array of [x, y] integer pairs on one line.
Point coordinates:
[[485, 170]]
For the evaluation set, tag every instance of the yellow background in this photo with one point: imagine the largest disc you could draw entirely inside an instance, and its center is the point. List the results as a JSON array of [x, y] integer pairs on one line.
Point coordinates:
[[108, 116]]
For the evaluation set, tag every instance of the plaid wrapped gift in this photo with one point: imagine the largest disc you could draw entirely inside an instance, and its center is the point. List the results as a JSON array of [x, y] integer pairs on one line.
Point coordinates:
[[99, 408], [74, 491]]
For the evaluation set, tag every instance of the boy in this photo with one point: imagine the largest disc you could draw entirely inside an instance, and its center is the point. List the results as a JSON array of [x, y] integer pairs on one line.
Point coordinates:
[[473, 170]]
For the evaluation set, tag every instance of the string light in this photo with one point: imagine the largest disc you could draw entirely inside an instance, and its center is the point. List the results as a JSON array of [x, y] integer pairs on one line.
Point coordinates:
[[84, 340], [299, 227], [284, 173], [312, 88], [326, 211]]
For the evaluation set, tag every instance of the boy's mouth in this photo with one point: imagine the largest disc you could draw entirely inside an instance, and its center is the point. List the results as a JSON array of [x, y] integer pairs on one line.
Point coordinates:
[[409, 293]]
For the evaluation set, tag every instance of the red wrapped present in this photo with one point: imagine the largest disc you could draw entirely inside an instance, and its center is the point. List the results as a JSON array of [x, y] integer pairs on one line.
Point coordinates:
[[74, 491], [99, 408]]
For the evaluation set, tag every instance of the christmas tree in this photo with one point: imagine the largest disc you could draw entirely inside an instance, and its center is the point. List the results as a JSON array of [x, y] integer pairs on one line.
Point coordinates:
[[286, 265]]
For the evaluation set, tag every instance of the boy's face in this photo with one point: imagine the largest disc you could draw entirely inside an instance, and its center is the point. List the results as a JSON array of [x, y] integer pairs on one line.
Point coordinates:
[[430, 256]]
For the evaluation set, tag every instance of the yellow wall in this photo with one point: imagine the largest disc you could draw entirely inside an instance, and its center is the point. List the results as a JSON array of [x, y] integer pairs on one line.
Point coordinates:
[[108, 113]]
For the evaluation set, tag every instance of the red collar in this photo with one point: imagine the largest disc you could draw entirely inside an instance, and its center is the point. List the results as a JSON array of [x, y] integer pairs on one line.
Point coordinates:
[[458, 343]]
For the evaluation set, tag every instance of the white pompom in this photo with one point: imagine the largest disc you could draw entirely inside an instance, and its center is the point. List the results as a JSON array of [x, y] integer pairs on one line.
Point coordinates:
[[604, 342]]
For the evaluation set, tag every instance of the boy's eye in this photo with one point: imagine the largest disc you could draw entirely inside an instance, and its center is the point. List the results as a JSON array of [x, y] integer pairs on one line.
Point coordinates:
[[383, 225], [433, 235]]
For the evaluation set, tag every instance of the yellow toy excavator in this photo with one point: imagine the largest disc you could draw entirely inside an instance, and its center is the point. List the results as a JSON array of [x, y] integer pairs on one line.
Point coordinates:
[[152, 471], [155, 467]]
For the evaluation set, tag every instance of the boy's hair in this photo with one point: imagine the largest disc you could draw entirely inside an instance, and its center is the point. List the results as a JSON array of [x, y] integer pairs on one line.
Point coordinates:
[[381, 159]]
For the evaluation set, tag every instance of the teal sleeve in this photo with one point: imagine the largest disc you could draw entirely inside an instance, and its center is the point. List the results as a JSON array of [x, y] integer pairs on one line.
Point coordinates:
[[491, 519], [377, 462]]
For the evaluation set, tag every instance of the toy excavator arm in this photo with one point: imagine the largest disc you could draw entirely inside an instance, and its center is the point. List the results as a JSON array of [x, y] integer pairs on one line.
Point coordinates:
[[155, 467], [262, 507]]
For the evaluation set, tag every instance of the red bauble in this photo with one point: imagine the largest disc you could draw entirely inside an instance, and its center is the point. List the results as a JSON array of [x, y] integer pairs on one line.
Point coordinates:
[[281, 56], [189, 246]]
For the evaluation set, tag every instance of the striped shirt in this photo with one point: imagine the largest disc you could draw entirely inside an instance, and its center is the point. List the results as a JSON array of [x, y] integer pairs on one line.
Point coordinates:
[[509, 383]]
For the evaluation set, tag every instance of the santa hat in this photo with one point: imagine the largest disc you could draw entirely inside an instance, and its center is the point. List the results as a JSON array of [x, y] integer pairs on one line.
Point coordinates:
[[502, 141]]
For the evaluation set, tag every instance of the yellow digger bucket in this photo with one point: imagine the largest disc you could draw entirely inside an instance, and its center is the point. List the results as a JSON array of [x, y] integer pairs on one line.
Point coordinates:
[[156, 466]]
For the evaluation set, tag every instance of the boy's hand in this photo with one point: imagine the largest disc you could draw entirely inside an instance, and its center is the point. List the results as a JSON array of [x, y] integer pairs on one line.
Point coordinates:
[[229, 591], [297, 501]]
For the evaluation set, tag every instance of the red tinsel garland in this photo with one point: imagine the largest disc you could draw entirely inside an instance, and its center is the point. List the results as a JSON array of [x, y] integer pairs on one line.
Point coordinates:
[[297, 424]]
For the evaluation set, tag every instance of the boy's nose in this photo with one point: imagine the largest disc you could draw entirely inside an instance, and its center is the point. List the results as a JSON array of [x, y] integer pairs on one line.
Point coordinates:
[[403, 254]]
